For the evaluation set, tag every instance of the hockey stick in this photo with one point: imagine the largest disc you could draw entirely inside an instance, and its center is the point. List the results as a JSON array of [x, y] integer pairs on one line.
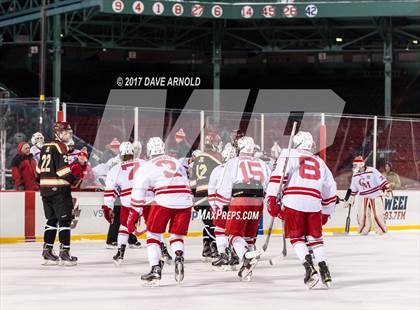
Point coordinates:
[[284, 252], [348, 220], [270, 228]]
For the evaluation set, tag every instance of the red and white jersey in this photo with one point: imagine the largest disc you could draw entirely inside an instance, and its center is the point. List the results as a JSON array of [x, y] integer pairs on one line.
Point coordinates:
[[240, 170], [309, 185], [167, 178], [368, 183], [119, 182], [36, 152], [214, 180]]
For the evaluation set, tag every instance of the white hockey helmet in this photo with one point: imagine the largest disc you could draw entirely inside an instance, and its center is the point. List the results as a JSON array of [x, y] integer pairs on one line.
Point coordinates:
[[37, 139], [155, 146], [228, 152], [126, 148], [275, 150], [137, 149], [303, 141], [358, 164], [246, 145]]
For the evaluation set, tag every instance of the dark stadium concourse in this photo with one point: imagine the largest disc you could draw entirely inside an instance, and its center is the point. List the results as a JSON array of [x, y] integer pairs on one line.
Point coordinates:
[[366, 51]]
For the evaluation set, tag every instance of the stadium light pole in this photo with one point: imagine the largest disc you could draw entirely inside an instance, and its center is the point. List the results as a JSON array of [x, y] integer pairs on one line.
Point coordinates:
[[388, 67], [217, 59], [42, 58]]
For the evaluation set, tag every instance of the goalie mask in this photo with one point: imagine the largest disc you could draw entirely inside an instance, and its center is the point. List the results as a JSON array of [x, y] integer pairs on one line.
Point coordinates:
[[246, 145], [37, 139], [62, 131], [303, 141], [358, 164], [155, 146], [126, 149]]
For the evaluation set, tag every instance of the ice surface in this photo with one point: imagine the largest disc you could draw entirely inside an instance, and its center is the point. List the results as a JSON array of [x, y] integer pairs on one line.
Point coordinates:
[[371, 272]]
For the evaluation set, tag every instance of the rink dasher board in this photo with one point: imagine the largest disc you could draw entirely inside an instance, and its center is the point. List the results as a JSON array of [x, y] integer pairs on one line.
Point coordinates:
[[22, 216]]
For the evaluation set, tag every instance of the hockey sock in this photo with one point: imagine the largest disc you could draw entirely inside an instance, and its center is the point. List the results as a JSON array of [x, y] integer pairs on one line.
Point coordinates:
[[221, 239], [153, 248], [239, 244], [317, 245], [300, 248], [50, 232], [122, 238], [64, 233], [250, 243], [176, 242]]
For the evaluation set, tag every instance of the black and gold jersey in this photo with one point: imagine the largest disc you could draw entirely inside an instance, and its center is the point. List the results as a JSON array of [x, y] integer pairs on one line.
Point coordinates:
[[202, 167], [53, 169]]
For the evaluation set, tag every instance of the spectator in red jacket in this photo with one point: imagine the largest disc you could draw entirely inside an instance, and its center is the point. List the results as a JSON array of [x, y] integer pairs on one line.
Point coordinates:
[[24, 168], [81, 169]]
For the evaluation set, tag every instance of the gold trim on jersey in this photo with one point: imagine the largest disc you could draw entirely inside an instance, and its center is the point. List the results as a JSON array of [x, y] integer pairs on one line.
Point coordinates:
[[57, 146], [202, 188], [54, 182], [63, 171], [210, 156]]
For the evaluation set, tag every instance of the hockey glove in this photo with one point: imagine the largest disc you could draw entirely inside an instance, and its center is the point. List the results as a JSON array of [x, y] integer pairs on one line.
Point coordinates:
[[273, 208], [349, 202], [108, 213], [133, 216]]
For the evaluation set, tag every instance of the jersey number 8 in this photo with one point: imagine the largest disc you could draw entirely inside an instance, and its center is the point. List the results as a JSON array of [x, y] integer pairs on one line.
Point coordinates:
[[309, 168]]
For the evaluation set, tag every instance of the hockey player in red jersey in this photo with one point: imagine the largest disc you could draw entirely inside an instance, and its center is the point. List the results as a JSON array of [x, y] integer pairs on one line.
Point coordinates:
[[370, 184], [119, 183], [171, 207], [309, 188], [242, 185]]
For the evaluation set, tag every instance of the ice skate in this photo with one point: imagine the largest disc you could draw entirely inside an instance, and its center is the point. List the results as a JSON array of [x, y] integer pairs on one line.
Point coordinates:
[[245, 272], [50, 258], [206, 254], [179, 266], [233, 259], [153, 277], [166, 257], [311, 275], [112, 245], [325, 274], [119, 257], [214, 252], [221, 262], [66, 259], [136, 245]]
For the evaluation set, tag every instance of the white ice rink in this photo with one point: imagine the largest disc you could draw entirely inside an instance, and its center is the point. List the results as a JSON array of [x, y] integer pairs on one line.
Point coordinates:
[[370, 272]]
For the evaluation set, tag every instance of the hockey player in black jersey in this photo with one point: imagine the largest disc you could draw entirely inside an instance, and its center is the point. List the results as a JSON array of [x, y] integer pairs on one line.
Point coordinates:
[[55, 179], [203, 165]]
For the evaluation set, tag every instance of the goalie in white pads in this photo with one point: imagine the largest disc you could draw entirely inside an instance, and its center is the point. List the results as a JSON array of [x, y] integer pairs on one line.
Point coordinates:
[[309, 187], [370, 184], [119, 183], [172, 205]]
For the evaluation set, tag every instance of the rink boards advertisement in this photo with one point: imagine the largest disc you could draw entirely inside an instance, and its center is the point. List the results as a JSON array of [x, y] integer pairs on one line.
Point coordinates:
[[22, 216]]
